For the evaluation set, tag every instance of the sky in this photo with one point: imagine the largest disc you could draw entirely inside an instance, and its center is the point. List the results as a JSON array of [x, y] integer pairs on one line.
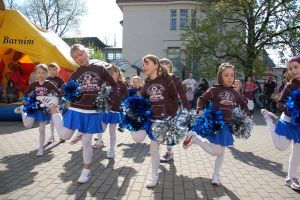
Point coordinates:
[[103, 21]]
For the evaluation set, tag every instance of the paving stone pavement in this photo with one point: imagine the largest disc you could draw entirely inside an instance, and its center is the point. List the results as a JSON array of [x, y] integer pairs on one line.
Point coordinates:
[[253, 169]]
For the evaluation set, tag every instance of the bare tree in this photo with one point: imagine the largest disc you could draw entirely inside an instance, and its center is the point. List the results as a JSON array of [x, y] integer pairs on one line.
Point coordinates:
[[10, 4], [60, 16]]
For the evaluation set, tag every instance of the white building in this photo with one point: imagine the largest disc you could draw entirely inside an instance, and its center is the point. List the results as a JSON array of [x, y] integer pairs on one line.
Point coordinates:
[[154, 27]]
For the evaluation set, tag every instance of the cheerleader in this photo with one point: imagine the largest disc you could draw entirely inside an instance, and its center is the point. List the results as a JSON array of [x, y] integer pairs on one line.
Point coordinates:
[[40, 87], [82, 114], [161, 91], [285, 131], [224, 98], [53, 70], [169, 155], [112, 118]]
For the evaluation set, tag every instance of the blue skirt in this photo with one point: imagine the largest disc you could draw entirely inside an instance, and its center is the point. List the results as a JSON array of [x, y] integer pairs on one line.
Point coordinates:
[[112, 118], [40, 116], [287, 129], [223, 137], [84, 122]]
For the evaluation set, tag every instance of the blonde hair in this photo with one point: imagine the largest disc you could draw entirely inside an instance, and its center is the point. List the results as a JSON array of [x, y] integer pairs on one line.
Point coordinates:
[[54, 65], [139, 79], [166, 61], [239, 82], [161, 71], [115, 69], [78, 47], [222, 67], [42, 67]]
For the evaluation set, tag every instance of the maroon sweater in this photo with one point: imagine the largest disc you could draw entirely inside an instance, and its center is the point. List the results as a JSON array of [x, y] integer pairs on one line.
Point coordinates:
[[43, 90], [223, 98], [293, 85], [56, 80], [123, 93], [91, 79], [163, 97], [181, 92]]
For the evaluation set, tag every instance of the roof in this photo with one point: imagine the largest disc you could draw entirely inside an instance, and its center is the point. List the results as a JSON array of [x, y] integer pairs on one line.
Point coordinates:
[[86, 41], [121, 63]]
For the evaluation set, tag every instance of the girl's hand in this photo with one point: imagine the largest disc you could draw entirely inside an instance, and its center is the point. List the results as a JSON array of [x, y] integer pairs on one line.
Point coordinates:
[[200, 113]]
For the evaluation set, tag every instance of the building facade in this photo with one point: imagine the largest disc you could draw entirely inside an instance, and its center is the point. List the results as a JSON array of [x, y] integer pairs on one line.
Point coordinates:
[[154, 27]]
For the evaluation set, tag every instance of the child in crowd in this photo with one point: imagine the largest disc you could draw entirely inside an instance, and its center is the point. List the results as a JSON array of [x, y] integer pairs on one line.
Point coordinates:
[[224, 98], [284, 132], [41, 87], [161, 91], [82, 114], [53, 70], [238, 87], [136, 89], [169, 156]]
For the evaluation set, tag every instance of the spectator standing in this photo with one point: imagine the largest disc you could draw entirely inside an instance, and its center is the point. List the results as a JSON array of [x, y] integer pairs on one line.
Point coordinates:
[[190, 82]]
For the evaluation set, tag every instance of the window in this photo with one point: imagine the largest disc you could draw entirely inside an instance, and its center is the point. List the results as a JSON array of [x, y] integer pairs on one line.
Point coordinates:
[[183, 19], [173, 17], [193, 20], [173, 53]]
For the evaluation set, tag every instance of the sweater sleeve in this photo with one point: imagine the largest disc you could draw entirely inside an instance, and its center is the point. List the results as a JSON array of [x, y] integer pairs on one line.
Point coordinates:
[[173, 95], [182, 95], [204, 98], [281, 101]]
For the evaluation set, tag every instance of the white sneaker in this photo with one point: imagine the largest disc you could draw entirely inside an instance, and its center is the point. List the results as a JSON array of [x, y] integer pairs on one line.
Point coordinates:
[[47, 101], [50, 140], [18, 110], [216, 180], [110, 154], [269, 115], [40, 152], [152, 182], [84, 176], [188, 141]]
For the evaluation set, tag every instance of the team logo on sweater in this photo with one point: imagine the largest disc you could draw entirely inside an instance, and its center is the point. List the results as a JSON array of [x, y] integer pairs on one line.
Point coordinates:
[[41, 91], [89, 81], [226, 98], [155, 92]]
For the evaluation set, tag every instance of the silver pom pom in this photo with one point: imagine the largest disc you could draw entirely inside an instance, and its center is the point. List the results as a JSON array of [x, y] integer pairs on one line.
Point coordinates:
[[102, 99], [241, 124], [169, 131]]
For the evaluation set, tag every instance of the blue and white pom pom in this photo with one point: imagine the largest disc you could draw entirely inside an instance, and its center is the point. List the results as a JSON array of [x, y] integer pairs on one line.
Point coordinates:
[[241, 124], [30, 104], [293, 106], [135, 112], [170, 131], [102, 101], [72, 91], [209, 123]]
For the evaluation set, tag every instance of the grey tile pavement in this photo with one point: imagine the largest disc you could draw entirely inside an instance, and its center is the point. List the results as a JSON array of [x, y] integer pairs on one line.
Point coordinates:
[[253, 169]]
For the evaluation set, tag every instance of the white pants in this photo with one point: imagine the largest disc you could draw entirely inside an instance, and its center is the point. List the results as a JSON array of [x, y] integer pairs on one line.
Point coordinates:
[[28, 123], [282, 143], [112, 135], [214, 150], [65, 134], [139, 136]]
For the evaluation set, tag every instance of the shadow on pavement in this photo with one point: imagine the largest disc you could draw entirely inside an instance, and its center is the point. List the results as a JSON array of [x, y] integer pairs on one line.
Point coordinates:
[[7, 127], [19, 167], [106, 181], [189, 187], [256, 161], [136, 151]]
